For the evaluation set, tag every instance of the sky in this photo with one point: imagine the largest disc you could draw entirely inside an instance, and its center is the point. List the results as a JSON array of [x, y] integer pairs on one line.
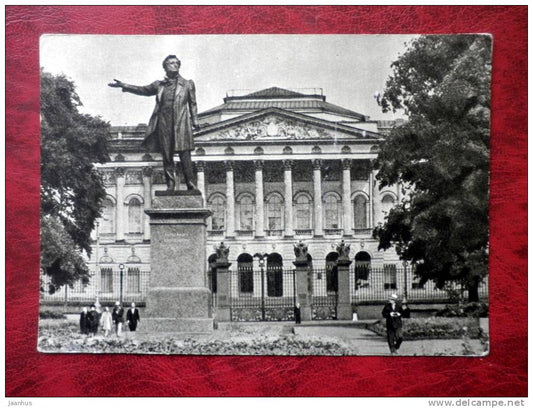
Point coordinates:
[[350, 69]]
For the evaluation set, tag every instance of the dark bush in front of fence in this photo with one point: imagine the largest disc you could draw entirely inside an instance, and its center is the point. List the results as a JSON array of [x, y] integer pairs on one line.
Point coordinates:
[[50, 314], [472, 309], [434, 328]]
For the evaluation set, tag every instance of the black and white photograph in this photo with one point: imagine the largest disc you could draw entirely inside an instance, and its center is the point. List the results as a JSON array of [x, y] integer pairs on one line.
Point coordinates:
[[265, 194]]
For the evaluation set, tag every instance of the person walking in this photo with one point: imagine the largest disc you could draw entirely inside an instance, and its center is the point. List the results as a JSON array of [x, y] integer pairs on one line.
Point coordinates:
[[106, 321], [93, 319], [84, 323], [393, 312], [132, 317], [118, 318]]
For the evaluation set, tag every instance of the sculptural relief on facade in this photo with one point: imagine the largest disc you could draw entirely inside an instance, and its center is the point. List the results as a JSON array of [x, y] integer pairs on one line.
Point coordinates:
[[134, 177], [108, 177], [272, 127]]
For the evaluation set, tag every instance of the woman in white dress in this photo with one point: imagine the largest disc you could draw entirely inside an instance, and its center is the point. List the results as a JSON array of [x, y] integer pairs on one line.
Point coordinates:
[[106, 321]]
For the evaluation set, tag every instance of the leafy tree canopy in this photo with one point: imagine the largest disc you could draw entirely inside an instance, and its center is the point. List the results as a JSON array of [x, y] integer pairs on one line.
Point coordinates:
[[71, 188], [441, 157]]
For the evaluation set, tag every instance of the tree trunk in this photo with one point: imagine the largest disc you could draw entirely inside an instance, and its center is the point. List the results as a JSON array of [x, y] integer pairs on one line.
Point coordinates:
[[473, 294]]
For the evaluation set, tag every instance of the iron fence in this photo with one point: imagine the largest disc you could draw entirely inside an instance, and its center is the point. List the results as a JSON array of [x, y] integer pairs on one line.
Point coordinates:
[[262, 295], [267, 294], [109, 284], [371, 284]]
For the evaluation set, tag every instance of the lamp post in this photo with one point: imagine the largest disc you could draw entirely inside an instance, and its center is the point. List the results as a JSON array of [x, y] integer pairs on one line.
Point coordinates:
[[121, 267], [405, 279], [262, 258]]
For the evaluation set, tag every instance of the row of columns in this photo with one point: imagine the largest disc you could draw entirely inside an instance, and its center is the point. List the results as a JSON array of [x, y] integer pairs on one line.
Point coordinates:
[[259, 197], [287, 178]]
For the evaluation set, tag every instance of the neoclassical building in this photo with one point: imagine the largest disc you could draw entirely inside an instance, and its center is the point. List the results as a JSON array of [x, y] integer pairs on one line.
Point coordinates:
[[275, 167]]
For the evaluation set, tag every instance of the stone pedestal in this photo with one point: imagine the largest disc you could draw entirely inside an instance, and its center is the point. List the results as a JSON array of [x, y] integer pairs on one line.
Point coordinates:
[[344, 305], [303, 293], [178, 296]]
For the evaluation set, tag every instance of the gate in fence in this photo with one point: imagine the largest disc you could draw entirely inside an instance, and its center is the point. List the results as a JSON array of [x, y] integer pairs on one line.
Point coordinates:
[[267, 294], [325, 293]]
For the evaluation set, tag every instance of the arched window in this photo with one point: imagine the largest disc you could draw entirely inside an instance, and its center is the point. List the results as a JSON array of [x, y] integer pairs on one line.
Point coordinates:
[[274, 275], [245, 212], [332, 211], [302, 213], [360, 212], [217, 205], [332, 276], [387, 203], [135, 212], [107, 222], [362, 268], [274, 212], [245, 267]]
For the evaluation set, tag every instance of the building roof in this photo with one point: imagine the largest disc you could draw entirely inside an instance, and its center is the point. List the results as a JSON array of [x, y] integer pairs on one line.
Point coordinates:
[[275, 97]]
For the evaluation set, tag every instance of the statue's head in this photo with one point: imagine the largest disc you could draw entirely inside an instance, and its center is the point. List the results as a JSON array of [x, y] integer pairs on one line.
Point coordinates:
[[171, 63]]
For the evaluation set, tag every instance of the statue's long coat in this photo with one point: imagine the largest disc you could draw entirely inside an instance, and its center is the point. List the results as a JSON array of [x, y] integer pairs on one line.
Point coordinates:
[[185, 113]]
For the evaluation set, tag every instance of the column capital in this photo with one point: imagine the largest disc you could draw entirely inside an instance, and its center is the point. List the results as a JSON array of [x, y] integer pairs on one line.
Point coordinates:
[[317, 164], [287, 164], [346, 164], [200, 166], [147, 171], [228, 165], [119, 171], [258, 164]]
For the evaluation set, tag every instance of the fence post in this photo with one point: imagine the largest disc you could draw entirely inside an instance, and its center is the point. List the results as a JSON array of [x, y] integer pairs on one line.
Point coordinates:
[[223, 295], [301, 276], [302, 289], [344, 305], [222, 273]]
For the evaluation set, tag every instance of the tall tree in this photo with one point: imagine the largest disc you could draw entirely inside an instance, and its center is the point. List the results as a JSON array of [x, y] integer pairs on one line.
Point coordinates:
[[441, 156], [71, 188]]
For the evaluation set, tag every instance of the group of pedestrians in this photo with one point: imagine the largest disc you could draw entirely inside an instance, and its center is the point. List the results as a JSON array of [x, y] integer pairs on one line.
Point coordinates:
[[91, 320]]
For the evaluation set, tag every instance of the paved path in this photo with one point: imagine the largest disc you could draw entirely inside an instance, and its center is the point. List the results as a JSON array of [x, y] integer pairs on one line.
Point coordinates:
[[365, 342]]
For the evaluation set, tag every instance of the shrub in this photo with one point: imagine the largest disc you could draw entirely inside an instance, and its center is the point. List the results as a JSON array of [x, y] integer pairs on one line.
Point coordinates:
[[50, 314], [433, 328], [472, 309]]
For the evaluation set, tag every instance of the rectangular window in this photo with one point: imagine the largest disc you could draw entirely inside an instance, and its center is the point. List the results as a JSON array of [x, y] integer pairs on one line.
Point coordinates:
[[106, 280], [303, 217], [246, 280], [275, 282], [389, 277], [246, 215], [332, 279], [133, 283]]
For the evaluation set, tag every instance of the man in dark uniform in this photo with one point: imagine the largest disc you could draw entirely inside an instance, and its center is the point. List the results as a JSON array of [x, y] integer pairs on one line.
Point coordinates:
[[393, 312], [174, 117], [132, 317]]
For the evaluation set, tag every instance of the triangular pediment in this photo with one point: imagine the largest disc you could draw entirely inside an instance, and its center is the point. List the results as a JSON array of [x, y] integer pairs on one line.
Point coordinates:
[[277, 124]]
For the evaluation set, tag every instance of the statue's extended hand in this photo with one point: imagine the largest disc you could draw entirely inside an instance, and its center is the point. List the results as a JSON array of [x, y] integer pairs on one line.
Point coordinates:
[[116, 84]]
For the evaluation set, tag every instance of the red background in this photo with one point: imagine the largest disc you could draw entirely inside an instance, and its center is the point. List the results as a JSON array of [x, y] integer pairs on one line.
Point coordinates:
[[502, 373]]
